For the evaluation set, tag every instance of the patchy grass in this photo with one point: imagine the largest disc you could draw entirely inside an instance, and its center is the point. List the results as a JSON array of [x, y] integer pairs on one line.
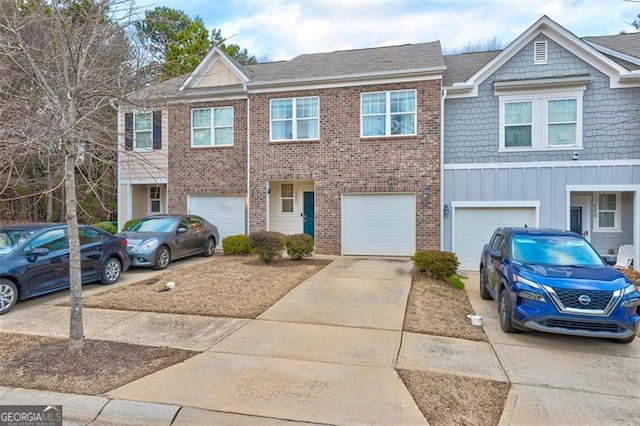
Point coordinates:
[[229, 286], [447, 399], [436, 308], [46, 363]]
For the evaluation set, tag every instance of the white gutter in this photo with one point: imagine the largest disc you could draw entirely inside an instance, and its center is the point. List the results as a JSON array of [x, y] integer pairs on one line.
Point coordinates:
[[444, 95]]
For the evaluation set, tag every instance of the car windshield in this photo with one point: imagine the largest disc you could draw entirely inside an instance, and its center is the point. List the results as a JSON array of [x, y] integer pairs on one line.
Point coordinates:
[[557, 250], [10, 239], [157, 224]]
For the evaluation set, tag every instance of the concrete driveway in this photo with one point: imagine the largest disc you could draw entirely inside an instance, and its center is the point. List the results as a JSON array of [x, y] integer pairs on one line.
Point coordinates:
[[562, 380]]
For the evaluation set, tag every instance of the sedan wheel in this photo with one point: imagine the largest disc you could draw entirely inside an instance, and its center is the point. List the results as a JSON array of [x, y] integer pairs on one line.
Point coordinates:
[[505, 312], [8, 296], [162, 258], [111, 271], [209, 248]]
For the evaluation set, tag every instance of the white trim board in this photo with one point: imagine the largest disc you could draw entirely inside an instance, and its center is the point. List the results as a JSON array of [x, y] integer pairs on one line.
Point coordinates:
[[541, 164], [147, 181]]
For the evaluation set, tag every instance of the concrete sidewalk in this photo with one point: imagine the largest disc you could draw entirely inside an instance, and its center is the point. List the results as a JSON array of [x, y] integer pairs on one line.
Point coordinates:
[[560, 380]]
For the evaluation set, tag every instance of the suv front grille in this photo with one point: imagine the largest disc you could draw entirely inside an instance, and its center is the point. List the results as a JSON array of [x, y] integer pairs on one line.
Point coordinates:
[[579, 325], [599, 300]]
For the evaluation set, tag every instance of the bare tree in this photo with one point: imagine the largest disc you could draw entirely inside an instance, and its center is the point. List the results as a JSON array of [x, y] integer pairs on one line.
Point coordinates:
[[63, 64]]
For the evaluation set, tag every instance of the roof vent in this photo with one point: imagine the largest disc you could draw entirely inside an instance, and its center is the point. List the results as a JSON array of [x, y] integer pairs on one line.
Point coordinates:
[[540, 52]]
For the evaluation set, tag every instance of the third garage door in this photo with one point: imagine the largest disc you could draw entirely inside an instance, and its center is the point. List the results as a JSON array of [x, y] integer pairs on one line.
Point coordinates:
[[473, 226], [379, 224]]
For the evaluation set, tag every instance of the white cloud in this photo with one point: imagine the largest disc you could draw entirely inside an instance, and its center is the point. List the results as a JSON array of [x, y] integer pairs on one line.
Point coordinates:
[[282, 29]]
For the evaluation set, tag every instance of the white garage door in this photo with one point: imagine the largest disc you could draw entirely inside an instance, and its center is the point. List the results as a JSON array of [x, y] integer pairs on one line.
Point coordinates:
[[227, 213], [380, 224], [473, 228]]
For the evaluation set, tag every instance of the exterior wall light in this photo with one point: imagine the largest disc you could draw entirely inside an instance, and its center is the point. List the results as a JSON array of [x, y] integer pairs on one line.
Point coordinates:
[[445, 210]]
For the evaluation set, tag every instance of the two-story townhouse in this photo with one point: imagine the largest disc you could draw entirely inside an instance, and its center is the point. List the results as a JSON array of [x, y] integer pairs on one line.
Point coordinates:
[[543, 133], [344, 146]]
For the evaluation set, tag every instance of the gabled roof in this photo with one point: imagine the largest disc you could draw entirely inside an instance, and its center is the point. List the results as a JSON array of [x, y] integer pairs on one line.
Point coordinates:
[[465, 82]]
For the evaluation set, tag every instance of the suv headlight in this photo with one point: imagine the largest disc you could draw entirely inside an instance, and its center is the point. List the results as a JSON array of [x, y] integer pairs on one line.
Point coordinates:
[[629, 302], [146, 245], [529, 294]]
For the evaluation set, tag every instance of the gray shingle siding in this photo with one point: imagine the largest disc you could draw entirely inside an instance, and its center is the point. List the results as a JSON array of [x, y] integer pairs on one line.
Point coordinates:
[[611, 117]]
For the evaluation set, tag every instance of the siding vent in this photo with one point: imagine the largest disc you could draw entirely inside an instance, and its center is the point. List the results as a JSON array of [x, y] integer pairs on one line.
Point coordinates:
[[540, 52]]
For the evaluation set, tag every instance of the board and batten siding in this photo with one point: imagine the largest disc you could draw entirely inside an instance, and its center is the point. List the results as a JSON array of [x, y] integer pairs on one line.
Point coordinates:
[[544, 183]]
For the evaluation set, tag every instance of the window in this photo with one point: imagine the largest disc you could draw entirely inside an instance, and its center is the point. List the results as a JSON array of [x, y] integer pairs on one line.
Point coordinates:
[[608, 216], [294, 118], [143, 131], [89, 236], [196, 223], [56, 239], [212, 127], [388, 113], [155, 198], [539, 121], [286, 198]]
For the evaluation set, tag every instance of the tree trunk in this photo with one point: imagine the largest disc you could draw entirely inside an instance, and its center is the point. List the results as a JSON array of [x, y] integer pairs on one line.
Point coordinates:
[[76, 331]]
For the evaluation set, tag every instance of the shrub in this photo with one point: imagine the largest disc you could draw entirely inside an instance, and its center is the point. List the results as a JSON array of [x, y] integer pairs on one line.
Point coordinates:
[[235, 244], [267, 244], [299, 246], [110, 227], [438, 264], [129, 224]]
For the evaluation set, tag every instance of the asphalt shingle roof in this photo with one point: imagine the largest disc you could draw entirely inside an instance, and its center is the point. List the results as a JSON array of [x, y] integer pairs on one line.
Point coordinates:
[[461, 66], [629, 44], [351, 62]]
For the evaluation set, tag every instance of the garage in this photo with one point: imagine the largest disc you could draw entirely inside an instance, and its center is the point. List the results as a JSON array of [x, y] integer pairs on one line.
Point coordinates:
[[226, 212], [379, 224], [473, 227]]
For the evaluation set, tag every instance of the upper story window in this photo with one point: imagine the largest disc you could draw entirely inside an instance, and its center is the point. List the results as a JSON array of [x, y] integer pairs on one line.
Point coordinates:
[[295, 118], [608, 218], [388, 113], [212, 127], [541, 121], [143, 131]]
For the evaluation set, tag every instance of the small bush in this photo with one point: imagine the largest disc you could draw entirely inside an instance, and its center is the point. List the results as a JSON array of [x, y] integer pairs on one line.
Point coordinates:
[[129, 224], [456, 281], [438, 264], [110, 227], [267, 244], [299, 246], [235, 244]]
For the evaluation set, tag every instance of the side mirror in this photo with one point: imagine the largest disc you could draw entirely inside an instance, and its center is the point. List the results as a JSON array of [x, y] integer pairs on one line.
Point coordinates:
[[39, 251], [182, 229], [495, 254]]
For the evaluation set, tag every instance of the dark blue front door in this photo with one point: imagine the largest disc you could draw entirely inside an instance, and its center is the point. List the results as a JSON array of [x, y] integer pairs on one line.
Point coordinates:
[[308, 213]]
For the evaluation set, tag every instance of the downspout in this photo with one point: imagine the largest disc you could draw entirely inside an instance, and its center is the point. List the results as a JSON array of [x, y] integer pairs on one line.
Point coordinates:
[[444, 95], [248, 164], [119, 165]]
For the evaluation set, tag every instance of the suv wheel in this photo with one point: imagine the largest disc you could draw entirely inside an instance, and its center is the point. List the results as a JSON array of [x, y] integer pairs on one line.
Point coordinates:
[[504, 308], [484, 291]]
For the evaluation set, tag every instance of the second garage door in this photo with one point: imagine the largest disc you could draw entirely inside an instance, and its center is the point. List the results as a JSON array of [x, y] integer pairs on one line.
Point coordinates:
[[226, 212], [379, 224], [473, 227]]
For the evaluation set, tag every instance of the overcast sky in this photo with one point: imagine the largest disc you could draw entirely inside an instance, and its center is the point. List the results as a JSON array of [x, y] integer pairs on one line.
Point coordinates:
[[283, 29]]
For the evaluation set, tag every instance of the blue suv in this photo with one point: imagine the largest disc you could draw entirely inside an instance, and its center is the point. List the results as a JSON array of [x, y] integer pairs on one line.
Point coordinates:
[[554, 281]]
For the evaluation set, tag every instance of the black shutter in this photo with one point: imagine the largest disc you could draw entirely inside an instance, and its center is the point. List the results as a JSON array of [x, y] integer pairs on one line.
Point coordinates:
[[157, 129], [128, 131]]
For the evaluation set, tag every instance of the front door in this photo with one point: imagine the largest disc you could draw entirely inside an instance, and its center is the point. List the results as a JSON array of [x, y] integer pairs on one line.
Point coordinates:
[[308, 213], [576, 219], [580, 216]]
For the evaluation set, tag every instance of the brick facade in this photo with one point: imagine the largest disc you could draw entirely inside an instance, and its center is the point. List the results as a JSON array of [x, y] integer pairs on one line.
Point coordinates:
[[205, 171], [343, 162]]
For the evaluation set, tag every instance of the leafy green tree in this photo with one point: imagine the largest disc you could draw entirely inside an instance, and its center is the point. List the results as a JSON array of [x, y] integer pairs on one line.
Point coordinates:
[[178, 43]]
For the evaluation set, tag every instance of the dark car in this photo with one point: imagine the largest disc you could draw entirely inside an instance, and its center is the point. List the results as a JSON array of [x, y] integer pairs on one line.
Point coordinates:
[[34, 259], [554, 281], [156, 240]]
